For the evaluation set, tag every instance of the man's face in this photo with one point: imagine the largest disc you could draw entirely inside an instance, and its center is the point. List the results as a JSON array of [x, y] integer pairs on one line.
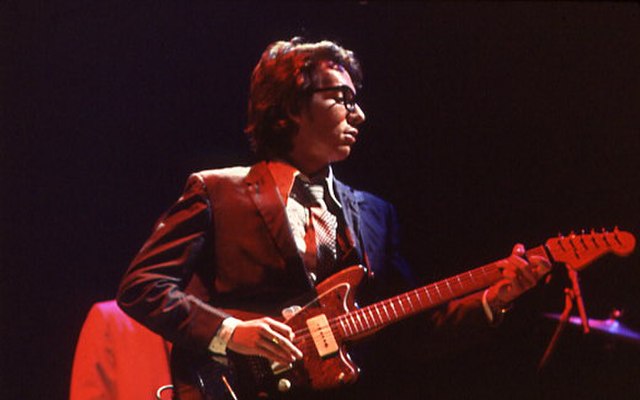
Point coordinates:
[[326, 129]]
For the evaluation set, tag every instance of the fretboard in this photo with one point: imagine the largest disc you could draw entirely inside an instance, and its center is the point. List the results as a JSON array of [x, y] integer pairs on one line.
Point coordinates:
[[368, 319]]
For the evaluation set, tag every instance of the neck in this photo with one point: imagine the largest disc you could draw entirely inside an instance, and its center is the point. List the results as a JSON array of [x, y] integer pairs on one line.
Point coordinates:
[[309, 169]]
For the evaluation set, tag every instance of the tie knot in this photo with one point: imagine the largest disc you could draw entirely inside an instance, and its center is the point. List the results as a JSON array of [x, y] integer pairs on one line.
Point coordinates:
[[308, 193], [317, 192]]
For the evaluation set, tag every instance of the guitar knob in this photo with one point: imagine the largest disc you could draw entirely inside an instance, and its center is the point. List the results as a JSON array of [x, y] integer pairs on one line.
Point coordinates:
[[284, 385], [290, 311]]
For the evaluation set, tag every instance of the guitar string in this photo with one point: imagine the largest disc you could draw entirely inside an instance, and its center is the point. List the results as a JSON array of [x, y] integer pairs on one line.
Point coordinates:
[[429, 290]]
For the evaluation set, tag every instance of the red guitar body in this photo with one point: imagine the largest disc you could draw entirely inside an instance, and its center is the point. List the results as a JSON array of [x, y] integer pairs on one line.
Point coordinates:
[[248, 377]]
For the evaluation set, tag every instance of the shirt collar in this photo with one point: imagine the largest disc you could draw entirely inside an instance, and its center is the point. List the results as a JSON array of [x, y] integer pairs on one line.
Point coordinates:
[[284, 174]]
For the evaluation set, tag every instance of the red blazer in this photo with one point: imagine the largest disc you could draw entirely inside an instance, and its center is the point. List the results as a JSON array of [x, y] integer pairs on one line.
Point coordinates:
[[117, 359]]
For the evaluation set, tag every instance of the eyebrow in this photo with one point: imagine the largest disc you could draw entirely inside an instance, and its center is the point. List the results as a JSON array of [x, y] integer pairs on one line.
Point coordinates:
[[337, 87]]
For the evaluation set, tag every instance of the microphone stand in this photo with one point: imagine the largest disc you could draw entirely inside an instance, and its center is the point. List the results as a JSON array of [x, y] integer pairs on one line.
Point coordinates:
[[573, 275], [571, 295]]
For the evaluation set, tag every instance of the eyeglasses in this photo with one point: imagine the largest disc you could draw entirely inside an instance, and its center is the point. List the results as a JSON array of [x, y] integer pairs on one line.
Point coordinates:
[[348, 98]]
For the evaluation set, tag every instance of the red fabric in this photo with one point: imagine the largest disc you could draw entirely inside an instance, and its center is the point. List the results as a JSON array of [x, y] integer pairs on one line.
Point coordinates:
[[117, 359]]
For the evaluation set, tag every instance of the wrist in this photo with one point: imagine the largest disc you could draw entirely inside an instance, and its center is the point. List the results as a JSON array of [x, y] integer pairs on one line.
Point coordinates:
[[219, 342]]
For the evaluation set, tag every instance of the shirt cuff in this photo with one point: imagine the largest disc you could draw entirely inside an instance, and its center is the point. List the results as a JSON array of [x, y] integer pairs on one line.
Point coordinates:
[[218, 344]]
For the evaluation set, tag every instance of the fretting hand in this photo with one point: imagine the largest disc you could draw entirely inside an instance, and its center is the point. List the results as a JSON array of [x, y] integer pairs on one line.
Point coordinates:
[[519, 276]]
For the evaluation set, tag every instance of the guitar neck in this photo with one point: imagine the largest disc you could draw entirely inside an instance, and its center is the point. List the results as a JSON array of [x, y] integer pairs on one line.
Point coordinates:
[[368, 319]]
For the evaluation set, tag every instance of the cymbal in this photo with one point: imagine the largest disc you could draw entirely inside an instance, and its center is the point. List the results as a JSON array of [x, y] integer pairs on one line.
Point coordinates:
[[611, 326]]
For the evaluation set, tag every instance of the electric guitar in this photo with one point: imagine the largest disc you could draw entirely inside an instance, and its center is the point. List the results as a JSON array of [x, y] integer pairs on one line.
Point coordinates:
[[325, 324]]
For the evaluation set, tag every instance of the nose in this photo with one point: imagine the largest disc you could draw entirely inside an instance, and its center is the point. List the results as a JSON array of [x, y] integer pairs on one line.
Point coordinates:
[[356, 117]]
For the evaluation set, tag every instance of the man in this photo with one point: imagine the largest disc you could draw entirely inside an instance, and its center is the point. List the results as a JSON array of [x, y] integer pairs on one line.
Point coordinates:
[[248, 238]]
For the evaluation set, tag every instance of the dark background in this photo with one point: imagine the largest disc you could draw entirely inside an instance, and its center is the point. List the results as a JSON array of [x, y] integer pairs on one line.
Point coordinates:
[[487, 124]]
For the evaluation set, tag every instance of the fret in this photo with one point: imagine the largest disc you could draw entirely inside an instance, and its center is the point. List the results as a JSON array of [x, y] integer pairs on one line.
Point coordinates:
[[363, 320], [449, 286], [410, 303], [372, 317], [401, 306], [341, 320], [359, 320], [460, 282], [435, 285], [384, 307], [352, 329], [378, 311], [366, 320], [426, 289], [471, 276], [393, 308], [354, 323], [419, 298]]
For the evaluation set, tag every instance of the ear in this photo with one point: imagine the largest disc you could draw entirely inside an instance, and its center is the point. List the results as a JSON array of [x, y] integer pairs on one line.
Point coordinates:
[[295, 115]]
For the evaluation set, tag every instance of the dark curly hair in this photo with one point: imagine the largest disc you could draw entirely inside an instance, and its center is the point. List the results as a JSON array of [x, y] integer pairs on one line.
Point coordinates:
[[280, 84]]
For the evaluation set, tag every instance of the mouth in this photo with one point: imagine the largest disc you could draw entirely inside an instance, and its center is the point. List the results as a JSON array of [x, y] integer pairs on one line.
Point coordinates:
[[350, 136]]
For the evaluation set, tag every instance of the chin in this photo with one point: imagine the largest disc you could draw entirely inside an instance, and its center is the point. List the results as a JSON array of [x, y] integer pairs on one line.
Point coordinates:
[[342, 154]]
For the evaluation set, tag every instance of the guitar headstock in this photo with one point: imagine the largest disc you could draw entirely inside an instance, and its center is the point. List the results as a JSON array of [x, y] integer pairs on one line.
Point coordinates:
[[579, 250]]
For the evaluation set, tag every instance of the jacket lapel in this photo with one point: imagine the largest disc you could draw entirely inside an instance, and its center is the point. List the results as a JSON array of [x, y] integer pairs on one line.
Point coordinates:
[[350, 201], [263, 191]]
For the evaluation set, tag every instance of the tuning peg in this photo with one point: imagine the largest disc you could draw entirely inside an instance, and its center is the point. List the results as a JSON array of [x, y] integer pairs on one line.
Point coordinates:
[[584, 244], [592, 235], [615, 235], [561, 241]]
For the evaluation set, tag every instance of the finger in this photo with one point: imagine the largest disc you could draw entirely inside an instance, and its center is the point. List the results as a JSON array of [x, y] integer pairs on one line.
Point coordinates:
[[283, 343], [509, 273], [540, 265], [529, 276], [503, 290], [517, 261], [280, 327], [523, 283], [511, 265], [518, 250], [267, 348]]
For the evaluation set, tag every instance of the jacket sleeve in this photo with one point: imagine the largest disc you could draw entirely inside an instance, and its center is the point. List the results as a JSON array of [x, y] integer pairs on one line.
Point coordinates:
[[156, 288]]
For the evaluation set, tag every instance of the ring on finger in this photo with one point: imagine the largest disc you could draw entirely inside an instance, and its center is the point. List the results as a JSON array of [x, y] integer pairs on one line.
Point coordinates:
[[275, 340]]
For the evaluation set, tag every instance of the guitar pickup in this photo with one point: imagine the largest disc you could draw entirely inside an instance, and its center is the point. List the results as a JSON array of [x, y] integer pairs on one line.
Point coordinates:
[[322, 335]]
